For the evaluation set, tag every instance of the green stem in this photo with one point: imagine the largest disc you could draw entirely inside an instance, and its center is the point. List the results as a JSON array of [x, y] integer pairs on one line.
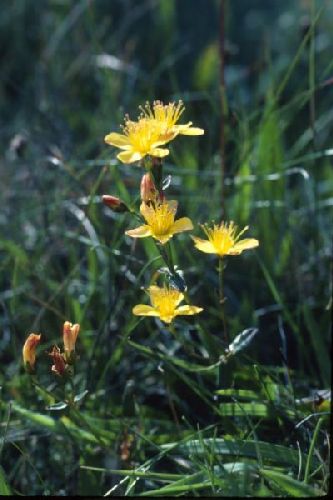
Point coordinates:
[[168, 251], [311, 450], [165, 257], [155, 170], [221, 298]]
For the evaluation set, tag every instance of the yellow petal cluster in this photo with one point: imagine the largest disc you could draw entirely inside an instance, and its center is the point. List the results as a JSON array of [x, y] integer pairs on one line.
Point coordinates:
[[29, 350], [139, 139], [166, 117], [156, 126], [224, 239], [160, 219], [165, 304]]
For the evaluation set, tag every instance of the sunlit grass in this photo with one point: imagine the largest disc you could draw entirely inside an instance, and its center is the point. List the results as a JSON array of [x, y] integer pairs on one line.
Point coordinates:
[[155, 410]]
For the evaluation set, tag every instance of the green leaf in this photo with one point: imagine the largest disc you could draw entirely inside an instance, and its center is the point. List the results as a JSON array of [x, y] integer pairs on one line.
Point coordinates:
[[57, 406], [57, 426], [191, 367], [239, 393], [14, 251], [196, 481], [80, 396], [246, 409], [270, 452], [291, 486], [4, 488], [157, 476]]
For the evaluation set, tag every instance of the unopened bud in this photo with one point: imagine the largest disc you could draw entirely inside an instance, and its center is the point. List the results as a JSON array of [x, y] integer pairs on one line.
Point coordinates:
[[148, 190], [29, 351], [114, 203], [70, 333]]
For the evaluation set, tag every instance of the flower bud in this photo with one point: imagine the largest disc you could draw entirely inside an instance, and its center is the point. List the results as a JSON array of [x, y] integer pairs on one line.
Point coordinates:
[[70, 333], [148, 190], [114, 203], [29, 351], [59, 366]]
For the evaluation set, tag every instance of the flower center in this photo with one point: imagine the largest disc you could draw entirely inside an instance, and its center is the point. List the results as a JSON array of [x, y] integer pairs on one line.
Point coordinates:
[[160, 219], [142, 134], [165, 302], [165, 116], [222, 236]]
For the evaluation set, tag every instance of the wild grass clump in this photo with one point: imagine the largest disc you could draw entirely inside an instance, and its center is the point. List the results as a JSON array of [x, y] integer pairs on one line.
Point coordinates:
[[165, 300]]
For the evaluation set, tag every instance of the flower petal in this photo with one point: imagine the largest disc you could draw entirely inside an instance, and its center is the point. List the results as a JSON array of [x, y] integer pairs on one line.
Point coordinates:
[[161, 142], [168, 135], [188, 310], [179, 298], [144, 310], [139, 232], [119, 140], [129, 156], [163, 239], [159, 152], [188, 130], [204, 245], [193, 131], [173, 205], [167, 318], [243, 245], [146, 210], [180, 225], [153, 290]]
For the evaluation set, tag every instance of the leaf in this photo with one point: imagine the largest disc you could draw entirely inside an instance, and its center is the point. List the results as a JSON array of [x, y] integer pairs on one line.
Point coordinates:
[[166, 182], [191, 367], [57, 406], [57, 426], [239, 393], [270, 452], [80, 396], [291, 486], [14, 251], [196, 481], [255, 409], [246, 409], [4, 488], [145, 474], [242, 340]]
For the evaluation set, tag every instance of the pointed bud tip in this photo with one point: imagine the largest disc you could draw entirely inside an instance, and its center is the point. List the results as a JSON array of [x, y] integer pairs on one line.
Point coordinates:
[[114, 203]]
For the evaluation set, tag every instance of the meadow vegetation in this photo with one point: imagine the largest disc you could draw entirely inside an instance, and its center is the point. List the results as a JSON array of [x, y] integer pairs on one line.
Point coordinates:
[[178, 356]]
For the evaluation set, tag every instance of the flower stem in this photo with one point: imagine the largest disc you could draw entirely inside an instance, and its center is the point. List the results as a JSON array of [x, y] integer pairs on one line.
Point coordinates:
[[222, 299], [166, 257], [168, 251], [156, 171]]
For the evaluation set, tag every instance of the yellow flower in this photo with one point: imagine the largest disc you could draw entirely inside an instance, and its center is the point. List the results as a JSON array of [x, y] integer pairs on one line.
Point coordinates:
[[29, 350], [223, 239], [166, 116], [139, 139], [70, 333], [165, 304], [161, 224]]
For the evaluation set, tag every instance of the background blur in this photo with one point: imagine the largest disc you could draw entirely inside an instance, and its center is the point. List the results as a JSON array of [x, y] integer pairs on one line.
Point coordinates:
[[69, 72]]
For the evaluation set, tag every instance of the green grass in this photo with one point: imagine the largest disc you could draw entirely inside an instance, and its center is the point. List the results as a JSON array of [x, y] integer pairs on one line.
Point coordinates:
[[156, 413]]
